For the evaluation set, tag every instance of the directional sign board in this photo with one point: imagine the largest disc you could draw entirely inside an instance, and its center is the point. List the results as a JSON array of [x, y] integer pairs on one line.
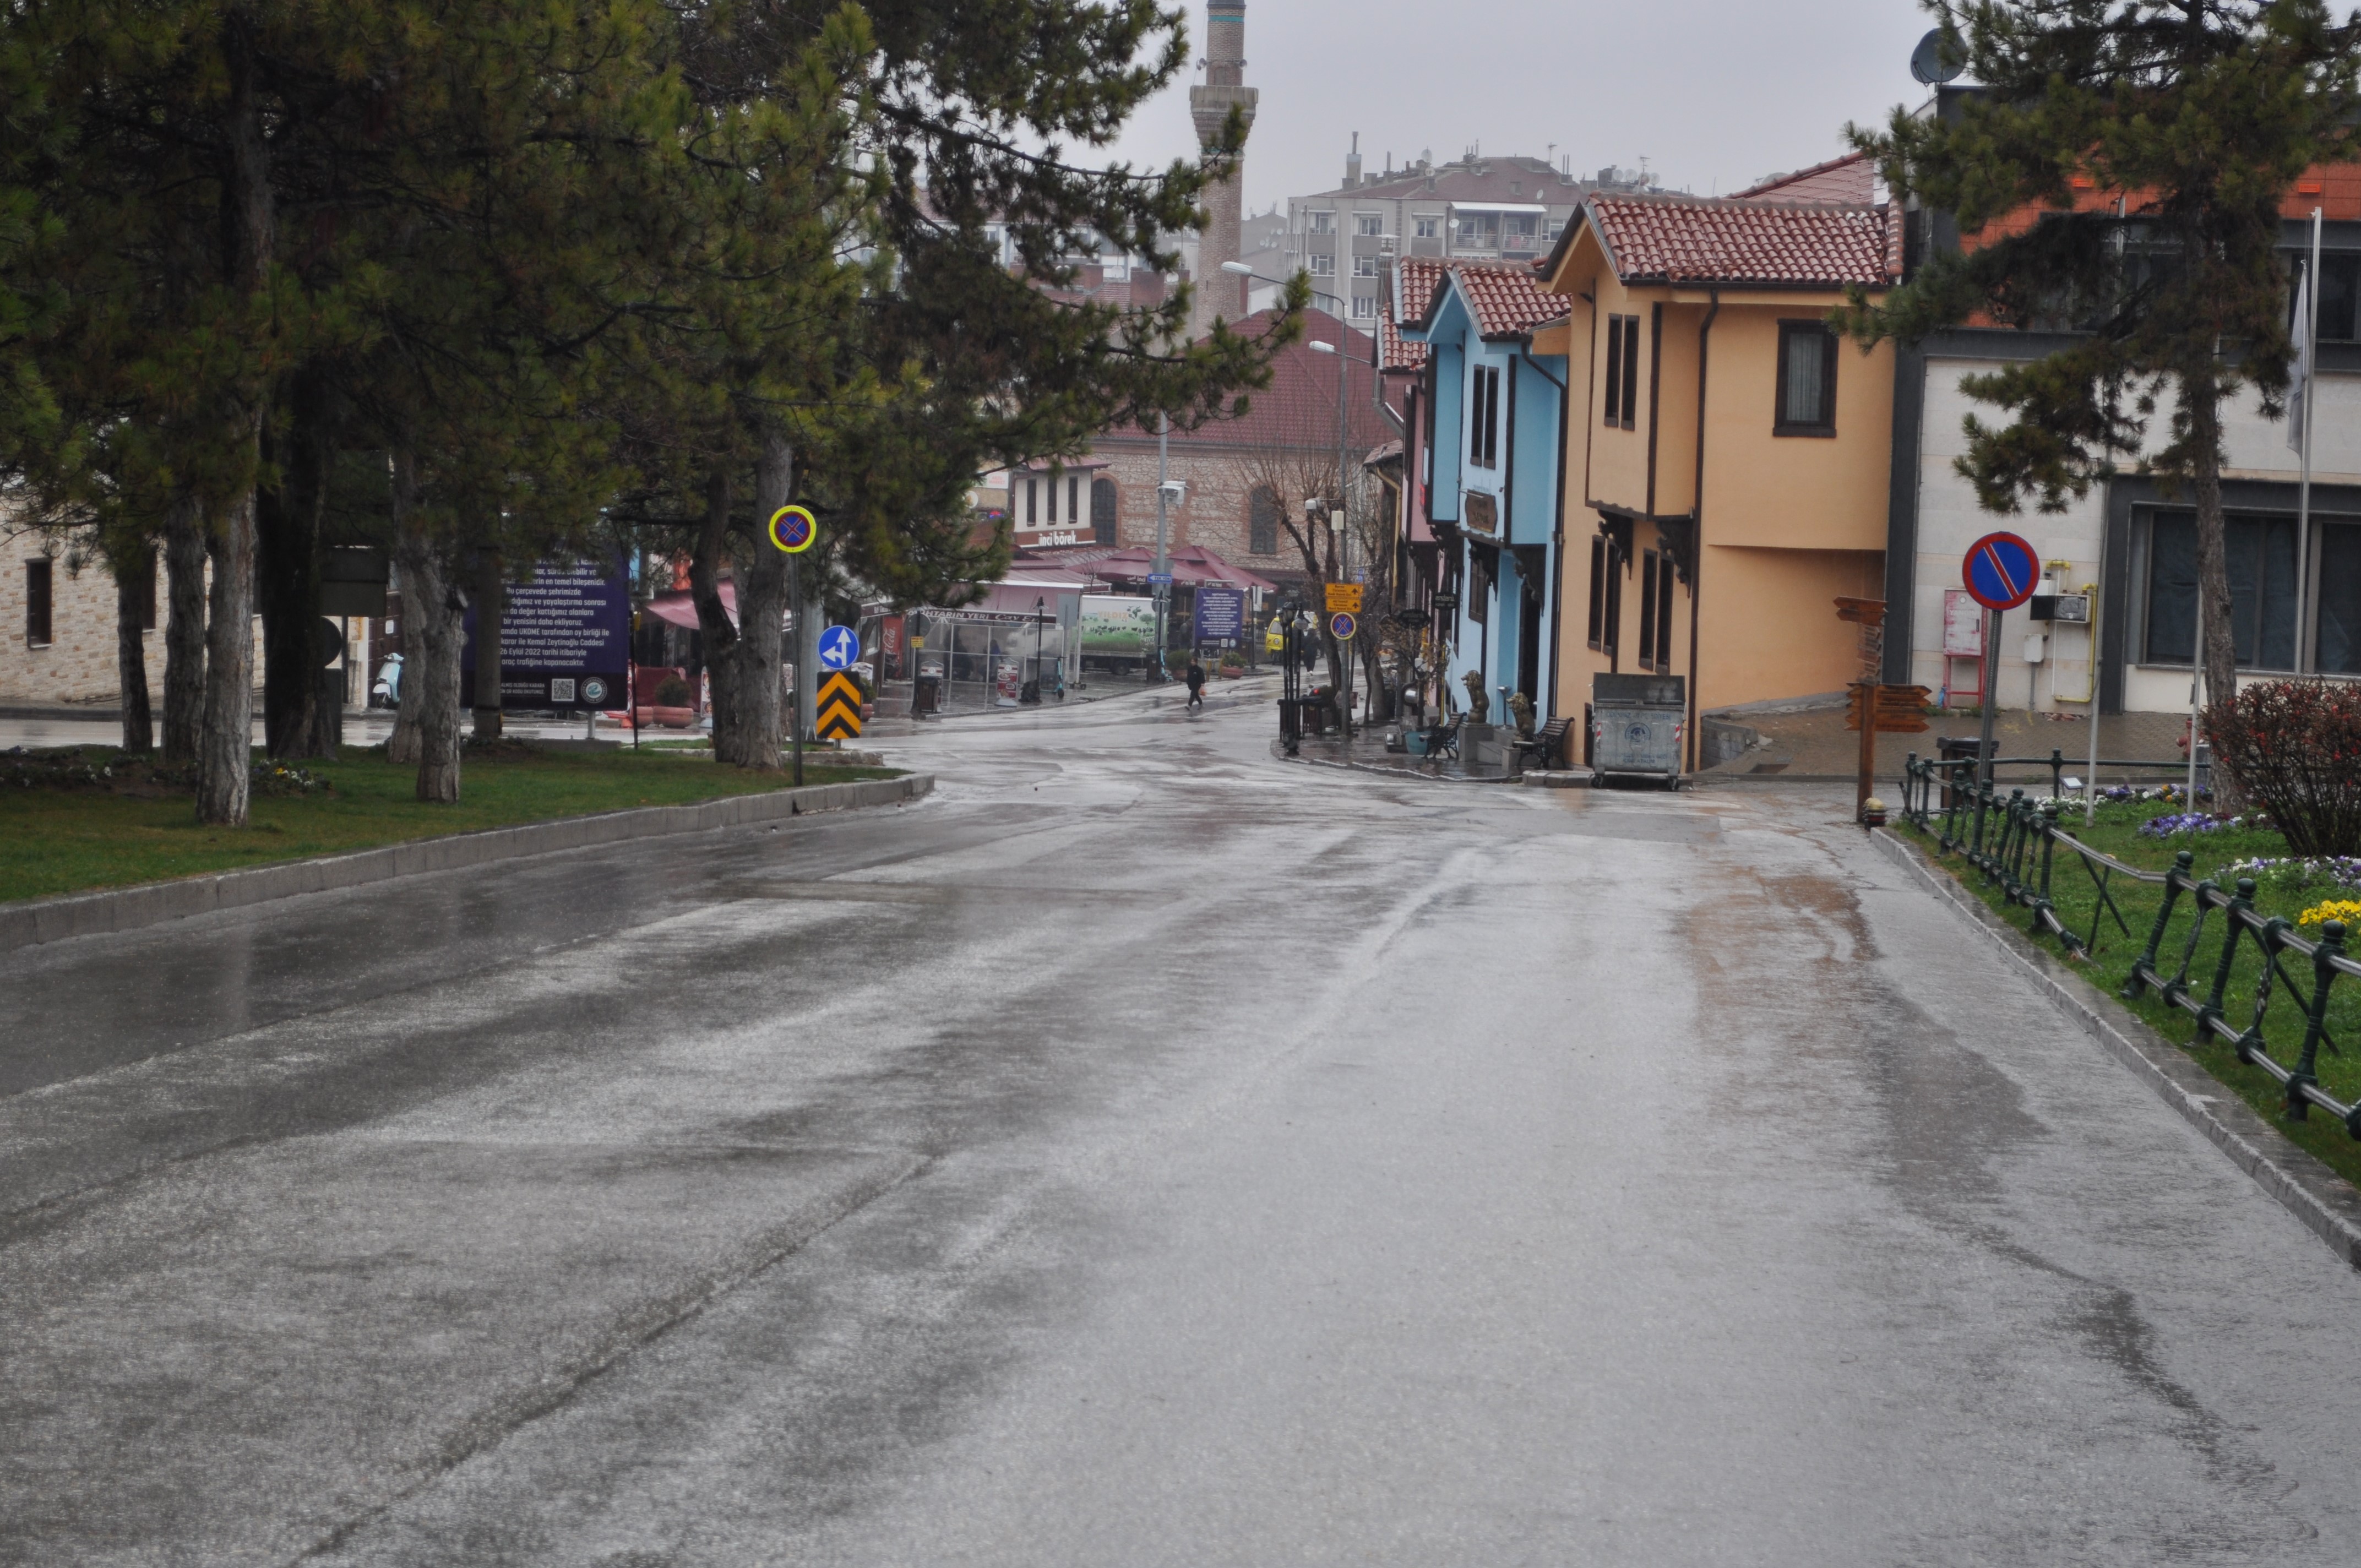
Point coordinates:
[[1342, 625], [837, 709], [839, 648], [2001, 571], [1160, 579], [1901, 710], [1344, 598]]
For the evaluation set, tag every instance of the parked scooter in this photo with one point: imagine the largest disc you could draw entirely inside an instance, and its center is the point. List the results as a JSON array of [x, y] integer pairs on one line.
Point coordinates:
[[386, 691]]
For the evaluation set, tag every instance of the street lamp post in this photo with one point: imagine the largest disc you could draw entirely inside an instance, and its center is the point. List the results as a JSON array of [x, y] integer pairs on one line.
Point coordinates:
[[1040, 602], [1336, 514]]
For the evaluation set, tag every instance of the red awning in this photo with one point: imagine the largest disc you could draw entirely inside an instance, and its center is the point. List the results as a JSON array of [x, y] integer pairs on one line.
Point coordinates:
[[1191, 563]]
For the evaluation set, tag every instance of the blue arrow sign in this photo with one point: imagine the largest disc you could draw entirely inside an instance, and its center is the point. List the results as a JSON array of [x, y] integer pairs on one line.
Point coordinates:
[[1160, 579], [839, 648]]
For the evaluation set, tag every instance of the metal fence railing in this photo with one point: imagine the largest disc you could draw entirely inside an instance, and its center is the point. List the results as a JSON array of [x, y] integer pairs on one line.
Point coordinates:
[[2015, 845]]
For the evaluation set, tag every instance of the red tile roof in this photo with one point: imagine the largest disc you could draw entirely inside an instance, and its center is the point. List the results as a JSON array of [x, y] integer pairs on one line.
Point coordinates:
[[1414, 280], [1850, 179], [1702, 239], [1507, 300]]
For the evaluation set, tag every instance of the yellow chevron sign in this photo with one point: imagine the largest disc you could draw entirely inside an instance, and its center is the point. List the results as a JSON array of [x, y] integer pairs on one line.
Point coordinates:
[[838, 708]]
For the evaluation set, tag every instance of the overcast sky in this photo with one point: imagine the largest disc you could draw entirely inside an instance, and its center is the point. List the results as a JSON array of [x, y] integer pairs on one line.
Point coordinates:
[[1713, 94]]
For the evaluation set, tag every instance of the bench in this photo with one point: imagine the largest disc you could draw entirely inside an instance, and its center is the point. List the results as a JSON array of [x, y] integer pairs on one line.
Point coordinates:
[[1549, 743]]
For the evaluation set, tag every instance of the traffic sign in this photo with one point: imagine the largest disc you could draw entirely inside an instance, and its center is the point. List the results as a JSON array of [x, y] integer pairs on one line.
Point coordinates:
[[2000, 571], [793, 529], [1160, 579], [1342, 625], [838, 708], [839, 648], [1344, 598]]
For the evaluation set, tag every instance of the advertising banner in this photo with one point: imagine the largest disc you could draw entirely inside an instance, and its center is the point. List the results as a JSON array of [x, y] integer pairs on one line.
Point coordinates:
[[566, 640]]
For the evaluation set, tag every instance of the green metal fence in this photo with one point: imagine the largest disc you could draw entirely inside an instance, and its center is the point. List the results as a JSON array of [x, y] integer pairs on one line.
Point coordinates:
[[2017, 845]]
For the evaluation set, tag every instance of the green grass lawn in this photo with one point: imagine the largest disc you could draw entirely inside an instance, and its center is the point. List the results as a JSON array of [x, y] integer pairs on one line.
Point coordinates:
[[2075, 895], [65, 840]]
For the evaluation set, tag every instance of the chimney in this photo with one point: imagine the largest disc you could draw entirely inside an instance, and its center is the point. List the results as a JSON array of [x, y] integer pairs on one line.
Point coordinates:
[[1353, 164]]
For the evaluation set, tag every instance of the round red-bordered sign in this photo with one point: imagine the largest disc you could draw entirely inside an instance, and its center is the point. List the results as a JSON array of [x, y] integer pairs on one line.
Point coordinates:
[[2001, 571], [793, 529]]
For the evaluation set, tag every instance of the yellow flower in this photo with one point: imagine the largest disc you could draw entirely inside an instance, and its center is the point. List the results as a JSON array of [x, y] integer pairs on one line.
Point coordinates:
[[2345, 909]]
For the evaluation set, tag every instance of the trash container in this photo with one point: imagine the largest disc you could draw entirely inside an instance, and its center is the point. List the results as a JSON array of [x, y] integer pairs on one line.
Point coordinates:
[[1955, 749], [1636, 727], [927, 695]]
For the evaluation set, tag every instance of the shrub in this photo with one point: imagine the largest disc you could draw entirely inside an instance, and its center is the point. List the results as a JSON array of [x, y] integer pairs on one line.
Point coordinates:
[[2295, 747], [673, 692]]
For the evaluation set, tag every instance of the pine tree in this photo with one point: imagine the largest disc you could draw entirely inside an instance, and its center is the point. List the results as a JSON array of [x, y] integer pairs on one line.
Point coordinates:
[[2190, 121]]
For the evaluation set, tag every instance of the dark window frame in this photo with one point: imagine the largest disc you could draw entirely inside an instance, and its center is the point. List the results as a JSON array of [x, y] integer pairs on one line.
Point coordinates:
[[1825, 425], [1103, 518], [1647, 610], [40, 601], [1262, 521], [1598, 590], [1484, 417], [1665, 611], [1614, 400]]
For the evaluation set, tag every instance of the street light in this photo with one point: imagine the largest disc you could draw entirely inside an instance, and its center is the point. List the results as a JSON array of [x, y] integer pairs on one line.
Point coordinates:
[[1336, 514]]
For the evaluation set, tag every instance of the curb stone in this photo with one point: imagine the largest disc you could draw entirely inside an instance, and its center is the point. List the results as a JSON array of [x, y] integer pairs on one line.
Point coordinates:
[[2327, 1204], [41, 920]]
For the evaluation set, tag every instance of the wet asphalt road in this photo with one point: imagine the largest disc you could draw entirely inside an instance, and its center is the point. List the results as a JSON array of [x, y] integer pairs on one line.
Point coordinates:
[[1141, 1153]]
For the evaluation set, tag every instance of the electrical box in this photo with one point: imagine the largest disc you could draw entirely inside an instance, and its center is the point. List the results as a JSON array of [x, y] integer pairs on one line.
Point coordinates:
[[2074, 609]]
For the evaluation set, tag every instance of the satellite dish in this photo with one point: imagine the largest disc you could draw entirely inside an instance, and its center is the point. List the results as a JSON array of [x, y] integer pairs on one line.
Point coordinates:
[[1939, 56]]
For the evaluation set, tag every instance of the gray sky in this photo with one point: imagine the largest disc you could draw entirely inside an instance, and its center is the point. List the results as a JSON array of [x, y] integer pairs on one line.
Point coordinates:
[[1713, 92]]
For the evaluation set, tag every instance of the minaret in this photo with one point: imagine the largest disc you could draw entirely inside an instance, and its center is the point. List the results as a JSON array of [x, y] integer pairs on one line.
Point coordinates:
[[1220, 293]]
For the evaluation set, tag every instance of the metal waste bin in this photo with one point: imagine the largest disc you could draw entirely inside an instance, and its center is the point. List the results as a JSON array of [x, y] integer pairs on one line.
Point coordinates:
[[1637, 724], [927, 695]]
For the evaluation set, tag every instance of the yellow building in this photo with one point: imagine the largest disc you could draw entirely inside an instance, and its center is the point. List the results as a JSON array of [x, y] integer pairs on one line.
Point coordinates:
[[1727, 455]]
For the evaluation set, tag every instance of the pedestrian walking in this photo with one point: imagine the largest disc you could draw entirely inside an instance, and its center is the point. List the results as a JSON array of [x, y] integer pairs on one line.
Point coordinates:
[[1196, 679]]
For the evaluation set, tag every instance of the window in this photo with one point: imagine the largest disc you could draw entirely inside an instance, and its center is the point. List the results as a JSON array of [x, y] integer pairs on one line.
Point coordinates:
[[1365, 306], [1074, 500], [1808, 379], [1032, 501], [1426, 228], [1053, 500], [1484, 417], [37, 581], [1368, 222], [1647, 610], [1102, 511], [2262, 591], [1481, 230], [1623, 405], [1262, 521], [1324, 223], [2340, 282], [1521, 230], [1611, 630], [1665, 612], [1365, 267], [1324, 266], [1598, 590]]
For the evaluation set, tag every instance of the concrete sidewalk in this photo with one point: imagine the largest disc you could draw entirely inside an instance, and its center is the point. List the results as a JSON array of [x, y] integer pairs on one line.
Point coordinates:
[[1815, 744]]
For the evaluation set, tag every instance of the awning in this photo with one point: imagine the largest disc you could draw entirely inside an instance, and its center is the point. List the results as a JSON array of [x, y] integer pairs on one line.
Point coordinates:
[[1189, 564], [680, 609]]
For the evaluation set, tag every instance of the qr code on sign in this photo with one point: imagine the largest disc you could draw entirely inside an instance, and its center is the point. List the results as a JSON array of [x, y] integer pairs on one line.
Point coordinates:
[[561, 691]]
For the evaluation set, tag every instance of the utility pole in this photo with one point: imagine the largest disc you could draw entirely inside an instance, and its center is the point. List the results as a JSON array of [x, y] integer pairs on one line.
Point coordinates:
[[1162, 584]]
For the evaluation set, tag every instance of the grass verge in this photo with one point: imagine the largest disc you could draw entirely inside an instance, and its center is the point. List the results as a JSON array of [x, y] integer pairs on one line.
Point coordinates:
[[2074, 893], [124, 826]]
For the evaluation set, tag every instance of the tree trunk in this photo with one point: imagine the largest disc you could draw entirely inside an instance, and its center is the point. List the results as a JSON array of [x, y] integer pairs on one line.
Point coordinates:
[[491, 602], [296, 721], [225, 737], [2217, 634], [762, 602], [433, 620], [184, 631], [404, 745], [135, 597], [713, 620], [224, 746]]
